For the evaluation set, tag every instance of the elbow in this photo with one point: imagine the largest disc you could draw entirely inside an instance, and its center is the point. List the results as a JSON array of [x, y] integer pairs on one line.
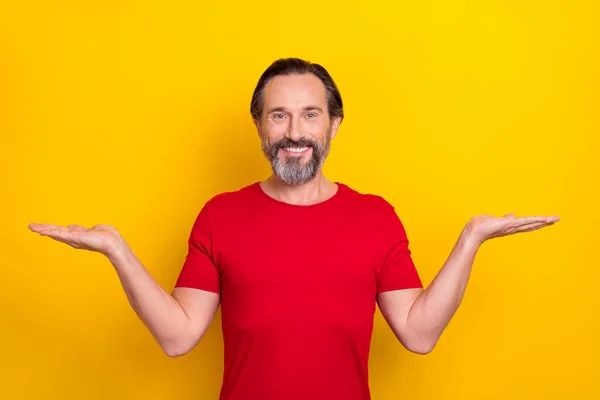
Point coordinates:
[[174, 352], [421, 346], [422, 349], [178, 343], [175, 348]]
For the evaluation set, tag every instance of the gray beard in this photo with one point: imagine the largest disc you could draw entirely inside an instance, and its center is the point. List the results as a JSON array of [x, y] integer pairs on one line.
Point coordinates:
[[291, 170]]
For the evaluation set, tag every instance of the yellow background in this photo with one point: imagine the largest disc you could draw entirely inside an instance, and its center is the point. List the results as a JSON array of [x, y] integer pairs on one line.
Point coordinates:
[[135, 113]]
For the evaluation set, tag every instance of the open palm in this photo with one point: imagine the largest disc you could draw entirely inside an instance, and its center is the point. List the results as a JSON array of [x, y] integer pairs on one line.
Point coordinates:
[[101, 238], [486, 227]]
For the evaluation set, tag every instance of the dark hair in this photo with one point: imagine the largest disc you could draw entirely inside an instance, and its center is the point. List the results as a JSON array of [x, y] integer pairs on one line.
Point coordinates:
[[296, 66]]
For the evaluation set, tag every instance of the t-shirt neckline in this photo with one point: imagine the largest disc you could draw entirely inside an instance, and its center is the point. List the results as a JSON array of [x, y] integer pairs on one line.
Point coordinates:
[[324, 203]]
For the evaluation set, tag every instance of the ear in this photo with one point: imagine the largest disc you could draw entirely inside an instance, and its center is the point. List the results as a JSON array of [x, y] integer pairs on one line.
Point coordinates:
[[335, 124], [257, 125]]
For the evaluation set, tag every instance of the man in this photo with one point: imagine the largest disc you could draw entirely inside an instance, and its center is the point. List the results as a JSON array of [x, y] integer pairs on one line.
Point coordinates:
[[297, 262]]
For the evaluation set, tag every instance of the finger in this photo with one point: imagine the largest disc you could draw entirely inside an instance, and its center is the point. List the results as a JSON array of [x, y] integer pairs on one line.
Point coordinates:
[[68, 242], [59, 232], [77, 228], [511, 215], [40, 227], [533, 226], [530, 220]]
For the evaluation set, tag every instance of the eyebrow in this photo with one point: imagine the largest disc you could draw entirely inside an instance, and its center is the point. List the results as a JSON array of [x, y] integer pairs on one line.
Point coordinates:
[[307, 108]]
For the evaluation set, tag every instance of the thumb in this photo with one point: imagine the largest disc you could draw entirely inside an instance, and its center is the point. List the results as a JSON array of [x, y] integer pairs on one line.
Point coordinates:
[[511, 215]]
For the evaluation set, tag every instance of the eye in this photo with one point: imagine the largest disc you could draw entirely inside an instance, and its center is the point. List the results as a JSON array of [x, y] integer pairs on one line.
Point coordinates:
[[278, 116], [311, 115]]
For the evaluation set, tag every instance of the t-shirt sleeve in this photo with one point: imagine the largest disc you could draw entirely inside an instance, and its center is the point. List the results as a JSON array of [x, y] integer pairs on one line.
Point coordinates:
[[199, 269], [398, 270]]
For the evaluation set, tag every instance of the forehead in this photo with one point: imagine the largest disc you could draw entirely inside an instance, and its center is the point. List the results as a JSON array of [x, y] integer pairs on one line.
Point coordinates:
[[292, 91]]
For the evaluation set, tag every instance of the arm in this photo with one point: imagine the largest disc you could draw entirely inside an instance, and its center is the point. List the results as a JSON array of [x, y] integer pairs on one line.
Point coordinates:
[[418, 317], [177, 321]]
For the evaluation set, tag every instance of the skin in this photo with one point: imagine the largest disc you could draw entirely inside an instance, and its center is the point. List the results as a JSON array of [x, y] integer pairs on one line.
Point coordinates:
[[294, 107]]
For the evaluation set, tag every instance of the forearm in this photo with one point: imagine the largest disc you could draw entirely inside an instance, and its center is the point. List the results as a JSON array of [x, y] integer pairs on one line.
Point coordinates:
[[160, 312], [436, 305]]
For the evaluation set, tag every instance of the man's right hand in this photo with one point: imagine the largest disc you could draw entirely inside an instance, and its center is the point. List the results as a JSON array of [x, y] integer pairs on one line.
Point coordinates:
[[101, 238], [177, 321]]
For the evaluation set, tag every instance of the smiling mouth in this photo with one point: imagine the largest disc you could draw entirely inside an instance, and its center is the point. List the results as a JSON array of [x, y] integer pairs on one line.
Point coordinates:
[[296, 150]]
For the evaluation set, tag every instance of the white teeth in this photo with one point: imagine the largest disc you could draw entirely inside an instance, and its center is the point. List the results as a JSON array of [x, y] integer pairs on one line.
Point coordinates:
[[295, 149]]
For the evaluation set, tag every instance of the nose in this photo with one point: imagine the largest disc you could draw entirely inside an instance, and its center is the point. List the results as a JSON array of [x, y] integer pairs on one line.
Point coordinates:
[[294, 131]]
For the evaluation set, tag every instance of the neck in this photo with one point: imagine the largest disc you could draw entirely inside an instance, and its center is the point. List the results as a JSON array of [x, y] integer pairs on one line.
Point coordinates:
[[314, 191]]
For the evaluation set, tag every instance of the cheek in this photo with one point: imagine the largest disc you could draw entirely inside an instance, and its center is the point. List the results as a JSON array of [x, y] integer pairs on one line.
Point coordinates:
[[319, 131], [273, 131]]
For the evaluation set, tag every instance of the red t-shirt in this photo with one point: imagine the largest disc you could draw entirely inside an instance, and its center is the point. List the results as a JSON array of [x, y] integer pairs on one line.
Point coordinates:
[[298, 288]]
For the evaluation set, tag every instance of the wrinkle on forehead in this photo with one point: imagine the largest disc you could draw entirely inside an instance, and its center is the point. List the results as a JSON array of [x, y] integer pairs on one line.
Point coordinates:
[[295, 92]]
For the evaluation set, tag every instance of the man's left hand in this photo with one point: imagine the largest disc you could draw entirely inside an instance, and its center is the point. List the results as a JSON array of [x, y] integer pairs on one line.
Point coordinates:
[[485, 227]]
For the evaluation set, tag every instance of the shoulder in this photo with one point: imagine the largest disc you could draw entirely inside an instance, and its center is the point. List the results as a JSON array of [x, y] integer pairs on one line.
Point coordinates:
[[224, 206], [232, 198], [366, 201], [374, 211], [228, 204]]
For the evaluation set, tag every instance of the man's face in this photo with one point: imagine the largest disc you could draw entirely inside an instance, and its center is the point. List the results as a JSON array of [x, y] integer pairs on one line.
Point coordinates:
[[295, 127]]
